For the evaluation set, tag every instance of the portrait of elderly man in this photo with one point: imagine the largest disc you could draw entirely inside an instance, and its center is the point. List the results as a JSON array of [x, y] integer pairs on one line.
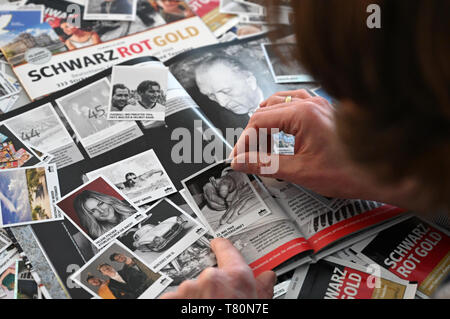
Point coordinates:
[[236, 89]]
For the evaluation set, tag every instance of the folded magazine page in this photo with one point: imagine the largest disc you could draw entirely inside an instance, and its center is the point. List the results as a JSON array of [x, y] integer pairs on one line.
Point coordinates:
[[333, 278], [58, 71], [412, 250]]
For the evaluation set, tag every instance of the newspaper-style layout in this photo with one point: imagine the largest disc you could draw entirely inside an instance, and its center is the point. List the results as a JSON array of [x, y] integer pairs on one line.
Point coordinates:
[[43, 129], [333, 278], [86, 112], [67, 68], [413, 250], [28, 195]]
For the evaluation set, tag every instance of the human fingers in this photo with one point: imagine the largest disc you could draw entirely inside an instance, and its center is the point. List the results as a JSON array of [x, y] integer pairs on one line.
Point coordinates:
[[276, 99], [265, 283], [227, 256], [187, 290], [278, 119], [257, 163], [299, 94]]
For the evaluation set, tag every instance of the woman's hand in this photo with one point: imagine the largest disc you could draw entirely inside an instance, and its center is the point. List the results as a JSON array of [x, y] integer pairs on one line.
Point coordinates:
[[319, 162], [232, 279]]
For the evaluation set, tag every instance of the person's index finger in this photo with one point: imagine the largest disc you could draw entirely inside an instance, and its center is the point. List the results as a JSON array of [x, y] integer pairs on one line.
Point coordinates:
[[226, 254]]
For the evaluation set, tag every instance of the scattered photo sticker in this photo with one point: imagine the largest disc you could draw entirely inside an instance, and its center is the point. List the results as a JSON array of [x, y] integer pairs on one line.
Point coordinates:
[[42, 129], [13, 152], [163, 235], [119, 10], [138, 93], [117, 273], [100, 211], [141, 178], [227, 199], [28, 195], [86, 112]]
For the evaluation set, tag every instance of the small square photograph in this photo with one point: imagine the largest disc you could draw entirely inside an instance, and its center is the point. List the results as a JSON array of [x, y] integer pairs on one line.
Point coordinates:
[[27, 195], [138, 93], [284, 68], [142, 178], [99, 211], [119, 10], [164, 234], [227, 199], [13, 152], [235, 7], [117, 273], [283, 144]]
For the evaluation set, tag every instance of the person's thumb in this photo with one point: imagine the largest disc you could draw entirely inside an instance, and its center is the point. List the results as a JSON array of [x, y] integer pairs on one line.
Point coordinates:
[[265, 283]]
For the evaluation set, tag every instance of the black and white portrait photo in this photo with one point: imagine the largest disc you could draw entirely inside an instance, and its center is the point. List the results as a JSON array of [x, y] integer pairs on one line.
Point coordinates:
[[138, 93], [110, 10], [99, 211], [141, 178], [225, 198], [163, 234], [229, 80], [116, 273]]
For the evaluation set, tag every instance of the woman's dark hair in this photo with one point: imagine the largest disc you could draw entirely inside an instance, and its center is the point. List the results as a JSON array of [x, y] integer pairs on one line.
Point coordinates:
[[396, 77]]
